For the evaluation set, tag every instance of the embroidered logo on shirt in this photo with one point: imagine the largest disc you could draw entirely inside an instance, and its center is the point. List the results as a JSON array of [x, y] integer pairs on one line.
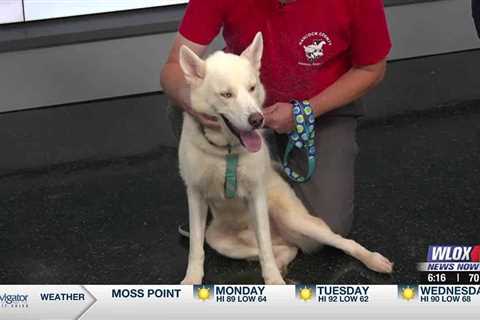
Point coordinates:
[[314, 45]]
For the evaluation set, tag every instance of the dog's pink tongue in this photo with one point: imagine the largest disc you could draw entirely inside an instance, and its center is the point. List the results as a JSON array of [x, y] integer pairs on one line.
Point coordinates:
[[251, 140]]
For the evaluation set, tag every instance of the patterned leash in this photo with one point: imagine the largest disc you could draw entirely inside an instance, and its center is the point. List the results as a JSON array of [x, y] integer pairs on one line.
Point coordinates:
[[303, 137]]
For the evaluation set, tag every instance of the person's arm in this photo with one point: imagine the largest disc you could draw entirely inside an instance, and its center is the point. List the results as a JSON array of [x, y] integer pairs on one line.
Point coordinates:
[[349, 87], [174, 84], [370, 44], [201, 23], [172, 79]]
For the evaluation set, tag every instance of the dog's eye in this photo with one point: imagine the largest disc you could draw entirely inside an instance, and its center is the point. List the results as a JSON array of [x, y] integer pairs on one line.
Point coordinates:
[[252, 88], [226, 94]]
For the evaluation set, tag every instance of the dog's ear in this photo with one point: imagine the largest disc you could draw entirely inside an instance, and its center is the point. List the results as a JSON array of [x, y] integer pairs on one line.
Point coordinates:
[[192, 65], [254, 51]]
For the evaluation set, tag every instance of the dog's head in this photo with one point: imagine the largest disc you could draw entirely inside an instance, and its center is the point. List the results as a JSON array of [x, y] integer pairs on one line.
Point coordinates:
[[228, 87]]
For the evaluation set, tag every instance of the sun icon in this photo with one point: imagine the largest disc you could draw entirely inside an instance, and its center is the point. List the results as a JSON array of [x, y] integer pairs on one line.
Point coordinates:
[[305, 294], [203, 293], [408, 293]]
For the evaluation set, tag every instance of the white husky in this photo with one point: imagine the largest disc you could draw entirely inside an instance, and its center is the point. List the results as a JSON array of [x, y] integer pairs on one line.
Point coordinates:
[[265, 220]]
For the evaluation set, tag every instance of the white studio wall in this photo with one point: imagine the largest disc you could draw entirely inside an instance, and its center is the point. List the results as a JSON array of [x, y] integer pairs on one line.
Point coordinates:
[[30, 10], [47, 9], [11, 11]]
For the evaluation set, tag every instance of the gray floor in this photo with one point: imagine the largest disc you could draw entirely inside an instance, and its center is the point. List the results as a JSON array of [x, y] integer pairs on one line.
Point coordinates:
[[115, 221]]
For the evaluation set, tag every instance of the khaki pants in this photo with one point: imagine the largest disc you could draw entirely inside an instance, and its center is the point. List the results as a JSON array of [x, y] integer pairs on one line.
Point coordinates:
[[330, 193]]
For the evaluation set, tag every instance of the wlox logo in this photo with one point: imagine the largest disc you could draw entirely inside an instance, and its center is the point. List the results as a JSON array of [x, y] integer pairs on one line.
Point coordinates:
[[442, 253], [14, 300]]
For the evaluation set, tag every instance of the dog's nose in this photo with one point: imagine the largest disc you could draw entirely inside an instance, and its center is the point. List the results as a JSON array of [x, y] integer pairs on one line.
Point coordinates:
[[256, 120]]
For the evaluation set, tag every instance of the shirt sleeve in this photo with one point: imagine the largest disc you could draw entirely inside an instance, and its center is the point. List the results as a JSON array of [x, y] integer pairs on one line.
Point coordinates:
[[370, 39], [202, 21]]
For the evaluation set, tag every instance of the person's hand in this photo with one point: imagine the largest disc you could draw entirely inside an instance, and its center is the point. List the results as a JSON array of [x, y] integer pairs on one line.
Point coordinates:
[[279, 117], [204, 119]]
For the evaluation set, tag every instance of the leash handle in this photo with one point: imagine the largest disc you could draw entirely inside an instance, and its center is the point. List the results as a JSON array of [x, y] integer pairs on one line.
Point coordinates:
[[302, 137]]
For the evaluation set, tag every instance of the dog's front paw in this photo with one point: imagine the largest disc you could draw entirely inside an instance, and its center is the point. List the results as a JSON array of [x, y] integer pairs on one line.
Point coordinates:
[[191, 280], [379, 263], [274, 280]]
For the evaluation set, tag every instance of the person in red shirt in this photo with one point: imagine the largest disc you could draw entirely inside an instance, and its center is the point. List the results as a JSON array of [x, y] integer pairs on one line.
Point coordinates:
[[330, 52]]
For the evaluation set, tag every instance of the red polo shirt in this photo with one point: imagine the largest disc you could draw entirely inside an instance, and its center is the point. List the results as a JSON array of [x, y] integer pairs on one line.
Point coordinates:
[[308, 44]]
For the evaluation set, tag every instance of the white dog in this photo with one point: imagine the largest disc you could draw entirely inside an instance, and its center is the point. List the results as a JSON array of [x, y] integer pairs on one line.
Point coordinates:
[[265, 220]]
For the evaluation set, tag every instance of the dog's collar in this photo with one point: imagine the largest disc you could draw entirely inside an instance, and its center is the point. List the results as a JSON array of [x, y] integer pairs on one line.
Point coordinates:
[[227, 147]]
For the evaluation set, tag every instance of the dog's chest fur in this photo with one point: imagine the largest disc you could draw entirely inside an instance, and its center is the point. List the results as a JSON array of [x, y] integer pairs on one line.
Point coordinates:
[[207, 173], [203, 167]]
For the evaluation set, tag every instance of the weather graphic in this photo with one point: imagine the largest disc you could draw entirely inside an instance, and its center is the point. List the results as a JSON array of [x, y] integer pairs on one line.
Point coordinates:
[[408, 292], [203, 292], [305, 292]]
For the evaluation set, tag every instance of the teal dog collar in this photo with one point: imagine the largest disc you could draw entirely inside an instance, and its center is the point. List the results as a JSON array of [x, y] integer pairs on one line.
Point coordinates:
[[302, 137]]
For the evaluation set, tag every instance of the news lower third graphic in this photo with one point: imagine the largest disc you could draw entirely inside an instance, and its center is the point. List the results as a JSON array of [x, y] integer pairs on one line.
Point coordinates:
[[203, 292], [15, 300], [451, 264], [448, 286], [230, 293], [234, 301], [408, 292], [305, 292]]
